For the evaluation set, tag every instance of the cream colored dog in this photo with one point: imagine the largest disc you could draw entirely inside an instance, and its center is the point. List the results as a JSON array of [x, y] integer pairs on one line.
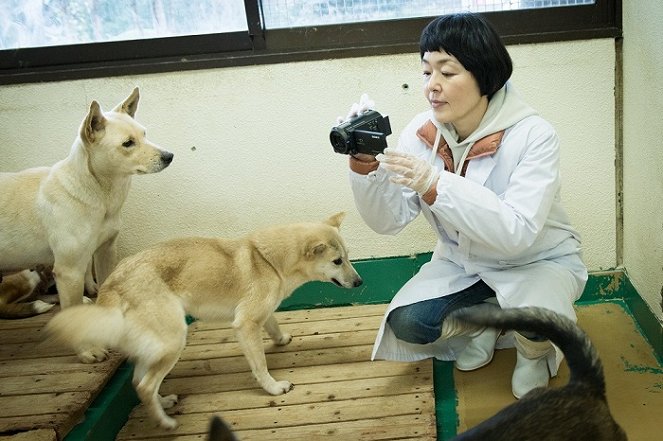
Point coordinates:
[[68, 215], [142, 306]]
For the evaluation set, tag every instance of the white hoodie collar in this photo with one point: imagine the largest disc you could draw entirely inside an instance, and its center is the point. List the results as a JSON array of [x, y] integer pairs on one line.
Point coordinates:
[[505, 109]]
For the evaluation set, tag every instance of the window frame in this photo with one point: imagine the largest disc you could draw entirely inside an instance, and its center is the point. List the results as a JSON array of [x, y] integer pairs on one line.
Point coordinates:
[[258, 46]]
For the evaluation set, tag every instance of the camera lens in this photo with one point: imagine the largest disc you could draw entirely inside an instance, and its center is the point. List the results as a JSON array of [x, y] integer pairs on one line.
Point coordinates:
[[338, 141]]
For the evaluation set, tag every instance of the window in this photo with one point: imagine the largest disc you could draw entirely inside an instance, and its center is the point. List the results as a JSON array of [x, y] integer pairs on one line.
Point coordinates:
[[46, 40]]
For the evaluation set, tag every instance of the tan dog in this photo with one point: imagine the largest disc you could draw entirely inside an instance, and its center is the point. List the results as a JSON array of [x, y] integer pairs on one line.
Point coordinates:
[[18, 292], [63, 216], [142, 306]]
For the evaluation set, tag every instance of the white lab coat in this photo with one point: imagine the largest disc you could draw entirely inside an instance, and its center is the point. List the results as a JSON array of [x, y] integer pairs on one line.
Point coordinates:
[[502, 223]]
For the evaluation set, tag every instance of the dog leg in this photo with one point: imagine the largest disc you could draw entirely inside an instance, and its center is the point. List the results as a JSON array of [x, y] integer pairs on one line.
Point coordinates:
[[93, 355], [147, 388], [90, 284], [69, 279], [248, 335], [274, 331], [105, 259]]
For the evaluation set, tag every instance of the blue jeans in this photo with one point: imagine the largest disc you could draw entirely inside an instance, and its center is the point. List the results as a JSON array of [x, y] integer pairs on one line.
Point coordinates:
[[421, 322]]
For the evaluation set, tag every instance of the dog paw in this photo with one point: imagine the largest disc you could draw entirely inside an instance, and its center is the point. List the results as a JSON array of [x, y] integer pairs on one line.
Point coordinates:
[[280, 387], [94, 355], [283, 340], [87, 300], [168, 423], [168, 401], [40, 307]]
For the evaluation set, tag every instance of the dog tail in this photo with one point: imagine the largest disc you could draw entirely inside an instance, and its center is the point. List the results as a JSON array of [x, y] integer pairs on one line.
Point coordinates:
[[23, 310], [80, 327], [581, 356], [219, 430]]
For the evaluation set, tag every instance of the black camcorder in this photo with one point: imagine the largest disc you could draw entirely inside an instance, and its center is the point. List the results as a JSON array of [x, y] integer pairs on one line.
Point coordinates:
[[365, 133]]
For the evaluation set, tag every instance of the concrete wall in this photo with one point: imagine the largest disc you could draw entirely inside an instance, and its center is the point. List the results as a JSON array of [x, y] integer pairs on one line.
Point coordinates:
[[251, 143], [643, 148]]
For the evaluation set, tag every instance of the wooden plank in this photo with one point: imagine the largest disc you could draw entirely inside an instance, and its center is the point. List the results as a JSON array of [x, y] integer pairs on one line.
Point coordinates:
[[47, 403], [17, 351], [48, 365], [325, 341], [33, 435], [339, 393], [307, 393], [401, 427], [227, 335], [61, 423], [305, 375], [53, 382], [279, 360], [37, 321], [308, 315], [289, 416], [22, 335]]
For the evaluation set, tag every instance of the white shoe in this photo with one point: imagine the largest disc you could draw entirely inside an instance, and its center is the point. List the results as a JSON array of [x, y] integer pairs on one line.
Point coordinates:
[[531, 369], [479, 351]]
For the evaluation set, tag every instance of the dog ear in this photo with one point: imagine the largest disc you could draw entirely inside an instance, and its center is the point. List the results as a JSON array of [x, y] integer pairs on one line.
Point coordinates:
[[93, 123], [129, 105], [314, 249], [335, 220]]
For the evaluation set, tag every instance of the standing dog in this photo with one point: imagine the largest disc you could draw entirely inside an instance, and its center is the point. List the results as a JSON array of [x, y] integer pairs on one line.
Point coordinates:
[[577, 411], [68, 215], [142, 306]]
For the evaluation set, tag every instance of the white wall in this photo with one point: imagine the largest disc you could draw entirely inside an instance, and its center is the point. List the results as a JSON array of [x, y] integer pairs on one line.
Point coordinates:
[[251, 143], [643, 148]]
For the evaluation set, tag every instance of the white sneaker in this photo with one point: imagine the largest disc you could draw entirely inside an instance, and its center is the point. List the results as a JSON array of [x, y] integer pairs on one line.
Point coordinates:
[[531, 369], [479, 351]]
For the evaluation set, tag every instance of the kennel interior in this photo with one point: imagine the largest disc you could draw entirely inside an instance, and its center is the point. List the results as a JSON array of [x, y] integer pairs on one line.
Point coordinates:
[[339, 393]]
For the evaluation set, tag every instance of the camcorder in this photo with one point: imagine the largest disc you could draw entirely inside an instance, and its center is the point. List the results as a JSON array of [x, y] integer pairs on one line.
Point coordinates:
[[365, 133]]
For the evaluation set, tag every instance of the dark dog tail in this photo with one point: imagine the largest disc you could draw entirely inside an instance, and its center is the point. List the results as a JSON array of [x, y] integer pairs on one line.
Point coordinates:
[[581, 356], [219, 430]]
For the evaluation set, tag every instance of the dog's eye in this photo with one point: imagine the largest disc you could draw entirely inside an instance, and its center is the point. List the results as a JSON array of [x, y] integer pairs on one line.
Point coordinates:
[[338, 261], [128, 143]]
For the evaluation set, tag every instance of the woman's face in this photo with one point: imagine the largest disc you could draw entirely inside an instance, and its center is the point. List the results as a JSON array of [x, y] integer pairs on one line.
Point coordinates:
[[452, 92]]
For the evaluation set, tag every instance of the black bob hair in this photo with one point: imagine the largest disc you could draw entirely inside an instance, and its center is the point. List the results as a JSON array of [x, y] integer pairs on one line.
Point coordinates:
[[475, 44]]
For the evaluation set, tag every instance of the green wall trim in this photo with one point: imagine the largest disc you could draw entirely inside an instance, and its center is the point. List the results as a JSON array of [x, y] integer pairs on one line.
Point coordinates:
[[109, 411], [446, 399], [383, 277]]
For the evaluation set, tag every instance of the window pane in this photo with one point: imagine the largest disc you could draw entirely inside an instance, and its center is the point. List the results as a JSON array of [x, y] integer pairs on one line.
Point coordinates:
[[35, 23], [296, 13]]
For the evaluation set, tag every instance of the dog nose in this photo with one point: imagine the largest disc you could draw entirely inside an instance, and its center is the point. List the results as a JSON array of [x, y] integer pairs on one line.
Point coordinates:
[[167, 157], [357, 282]]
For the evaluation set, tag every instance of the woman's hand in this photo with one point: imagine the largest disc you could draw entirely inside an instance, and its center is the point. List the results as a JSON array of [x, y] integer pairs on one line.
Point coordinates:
[[364, 104], [410, 171]]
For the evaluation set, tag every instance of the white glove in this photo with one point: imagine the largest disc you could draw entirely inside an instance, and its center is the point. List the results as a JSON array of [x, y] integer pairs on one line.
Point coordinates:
[[410, 171], [364, 104]]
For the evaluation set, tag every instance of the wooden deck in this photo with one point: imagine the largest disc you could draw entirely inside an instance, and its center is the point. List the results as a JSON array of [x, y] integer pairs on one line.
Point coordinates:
[[339, 393], [44, 391]]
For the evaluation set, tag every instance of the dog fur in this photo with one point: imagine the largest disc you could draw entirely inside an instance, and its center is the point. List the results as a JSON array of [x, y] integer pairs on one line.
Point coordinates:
[[577, 411], [141, 308], [18, 293], [219, 430], [68, 216]]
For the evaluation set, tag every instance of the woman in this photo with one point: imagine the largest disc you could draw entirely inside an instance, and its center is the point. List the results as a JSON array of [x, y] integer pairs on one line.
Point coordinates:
[[483, 169]]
